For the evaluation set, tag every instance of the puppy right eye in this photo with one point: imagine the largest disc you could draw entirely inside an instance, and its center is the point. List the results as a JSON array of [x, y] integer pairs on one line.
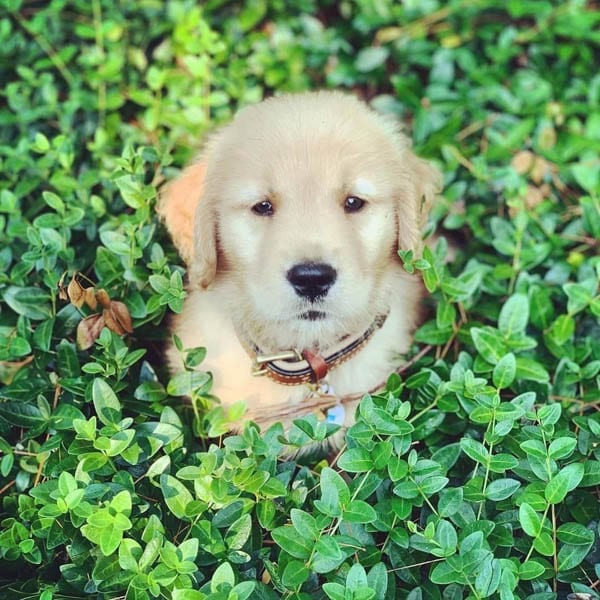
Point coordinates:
[[263, 209]]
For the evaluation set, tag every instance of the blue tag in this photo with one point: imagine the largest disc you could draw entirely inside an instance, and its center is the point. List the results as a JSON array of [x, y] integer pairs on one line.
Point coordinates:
[[336, 415]]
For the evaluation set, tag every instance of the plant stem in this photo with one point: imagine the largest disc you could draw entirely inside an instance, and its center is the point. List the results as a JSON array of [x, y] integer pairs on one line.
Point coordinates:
[[56, 60]]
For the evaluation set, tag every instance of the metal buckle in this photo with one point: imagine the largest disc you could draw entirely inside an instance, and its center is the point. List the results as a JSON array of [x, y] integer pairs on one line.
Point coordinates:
[[261, 359]]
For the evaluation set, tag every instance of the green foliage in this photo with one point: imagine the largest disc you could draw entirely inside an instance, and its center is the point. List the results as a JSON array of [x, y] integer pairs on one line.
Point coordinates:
[[473, 476]]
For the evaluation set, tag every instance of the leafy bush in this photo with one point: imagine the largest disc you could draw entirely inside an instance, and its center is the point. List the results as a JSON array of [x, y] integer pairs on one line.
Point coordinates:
[[474, 475]]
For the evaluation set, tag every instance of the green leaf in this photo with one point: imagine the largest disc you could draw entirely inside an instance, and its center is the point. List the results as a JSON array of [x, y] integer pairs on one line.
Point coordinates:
[[66, 483], [474, 450], [531, 370], [514, 315], [294, 574], [499, 463], [131, 191], [570, 556], [265, 512], [579, 295], [41, 143], [92, 461], [356, 577], [355, 460], [31, 302], [534, 448], [304, 523], [587, 173], [327, 555], [110, 538], [505, 371], [542, 309], [176, 495], [187, 382], [150, 391], [22, 414], [334, 493], [562, 329], [288, 538], [430, 333], [445, 314], [544, 544], [121, 502], [500, 489], [563, 482], [108, 407], [489, 344], [443, 574], [450, 501], [591, 475], [549, 414], [239, 532], [358, 511], [377, 580], [334, 591], [575, 534], [591, 215], [531, 569], [562, 447], [370, 58], [445, 535], [185, 595], [223, 576], [530, 521], [432, 485]]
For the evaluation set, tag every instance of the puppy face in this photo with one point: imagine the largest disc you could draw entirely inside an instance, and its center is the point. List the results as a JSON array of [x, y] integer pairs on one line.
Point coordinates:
[[305, 202]]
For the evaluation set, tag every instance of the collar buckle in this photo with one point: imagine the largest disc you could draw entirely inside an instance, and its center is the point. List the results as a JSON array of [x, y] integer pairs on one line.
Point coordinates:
[[260, 359]]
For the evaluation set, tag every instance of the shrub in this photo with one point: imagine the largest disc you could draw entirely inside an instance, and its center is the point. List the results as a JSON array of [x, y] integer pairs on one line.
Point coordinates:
[[475, 474]]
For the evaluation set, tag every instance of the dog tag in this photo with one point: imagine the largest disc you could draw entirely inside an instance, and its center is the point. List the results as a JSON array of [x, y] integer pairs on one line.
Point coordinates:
[[325, 389], [336, 415]]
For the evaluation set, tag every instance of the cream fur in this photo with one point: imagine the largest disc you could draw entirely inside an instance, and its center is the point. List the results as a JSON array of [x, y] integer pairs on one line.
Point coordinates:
[[306, 153]]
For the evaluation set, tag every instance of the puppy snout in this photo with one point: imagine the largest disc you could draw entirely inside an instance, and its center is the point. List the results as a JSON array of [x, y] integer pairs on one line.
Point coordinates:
[[312, 280]]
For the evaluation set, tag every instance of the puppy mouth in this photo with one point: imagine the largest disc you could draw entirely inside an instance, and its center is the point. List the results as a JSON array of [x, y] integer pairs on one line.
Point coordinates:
[[313, 315]]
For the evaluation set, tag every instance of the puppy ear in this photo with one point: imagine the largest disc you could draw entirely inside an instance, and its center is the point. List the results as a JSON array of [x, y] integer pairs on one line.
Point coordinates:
[[204, 244], [177, 206], [424, 182]]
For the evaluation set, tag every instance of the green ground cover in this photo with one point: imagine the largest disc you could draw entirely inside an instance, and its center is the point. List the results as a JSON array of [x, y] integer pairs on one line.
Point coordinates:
[[474, 475]]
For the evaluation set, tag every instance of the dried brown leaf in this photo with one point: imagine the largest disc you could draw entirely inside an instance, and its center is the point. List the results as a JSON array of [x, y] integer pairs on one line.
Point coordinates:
[[89, 330], [522, 161], [76, 293], [121, 312], [8, 369], [103, 298], [541, 169], [62, 291], [117, 318], [90, 298]]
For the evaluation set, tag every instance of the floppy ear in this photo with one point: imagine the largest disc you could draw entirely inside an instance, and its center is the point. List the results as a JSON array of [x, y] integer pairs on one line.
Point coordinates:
[[177, 206], [204, 243], [423, 182]]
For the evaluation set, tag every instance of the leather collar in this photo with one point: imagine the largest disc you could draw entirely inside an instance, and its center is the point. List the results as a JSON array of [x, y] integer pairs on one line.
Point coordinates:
[[297, 367]]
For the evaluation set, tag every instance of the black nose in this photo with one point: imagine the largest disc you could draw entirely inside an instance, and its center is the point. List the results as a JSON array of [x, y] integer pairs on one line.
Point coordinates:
[[312, 280]]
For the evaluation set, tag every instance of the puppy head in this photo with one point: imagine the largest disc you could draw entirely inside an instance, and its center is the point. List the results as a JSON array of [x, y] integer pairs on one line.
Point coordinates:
[[301, 205]]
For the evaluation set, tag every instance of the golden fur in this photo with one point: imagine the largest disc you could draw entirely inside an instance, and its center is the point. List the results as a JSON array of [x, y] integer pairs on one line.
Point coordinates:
[[306, 153]]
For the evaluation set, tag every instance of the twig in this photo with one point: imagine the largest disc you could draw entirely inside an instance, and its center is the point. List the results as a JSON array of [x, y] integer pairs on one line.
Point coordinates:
[[407, 365], [56, 60], [7, 486]]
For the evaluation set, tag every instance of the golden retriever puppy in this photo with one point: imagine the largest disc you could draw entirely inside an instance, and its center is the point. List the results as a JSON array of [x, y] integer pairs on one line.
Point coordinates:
[[290, 222]]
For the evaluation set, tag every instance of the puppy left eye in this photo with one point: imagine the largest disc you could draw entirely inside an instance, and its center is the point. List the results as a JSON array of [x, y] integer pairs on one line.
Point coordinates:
[[353, 204], [263, 209]]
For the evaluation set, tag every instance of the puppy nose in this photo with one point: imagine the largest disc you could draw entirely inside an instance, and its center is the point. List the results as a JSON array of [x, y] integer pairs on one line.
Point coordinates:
[[312, 280]]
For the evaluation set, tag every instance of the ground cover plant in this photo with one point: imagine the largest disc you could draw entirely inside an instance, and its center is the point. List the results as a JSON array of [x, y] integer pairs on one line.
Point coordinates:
[[474, 474]]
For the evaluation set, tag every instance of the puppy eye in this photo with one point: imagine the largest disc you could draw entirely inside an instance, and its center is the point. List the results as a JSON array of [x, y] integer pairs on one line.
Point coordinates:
[[353, 204], [263, 209]]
